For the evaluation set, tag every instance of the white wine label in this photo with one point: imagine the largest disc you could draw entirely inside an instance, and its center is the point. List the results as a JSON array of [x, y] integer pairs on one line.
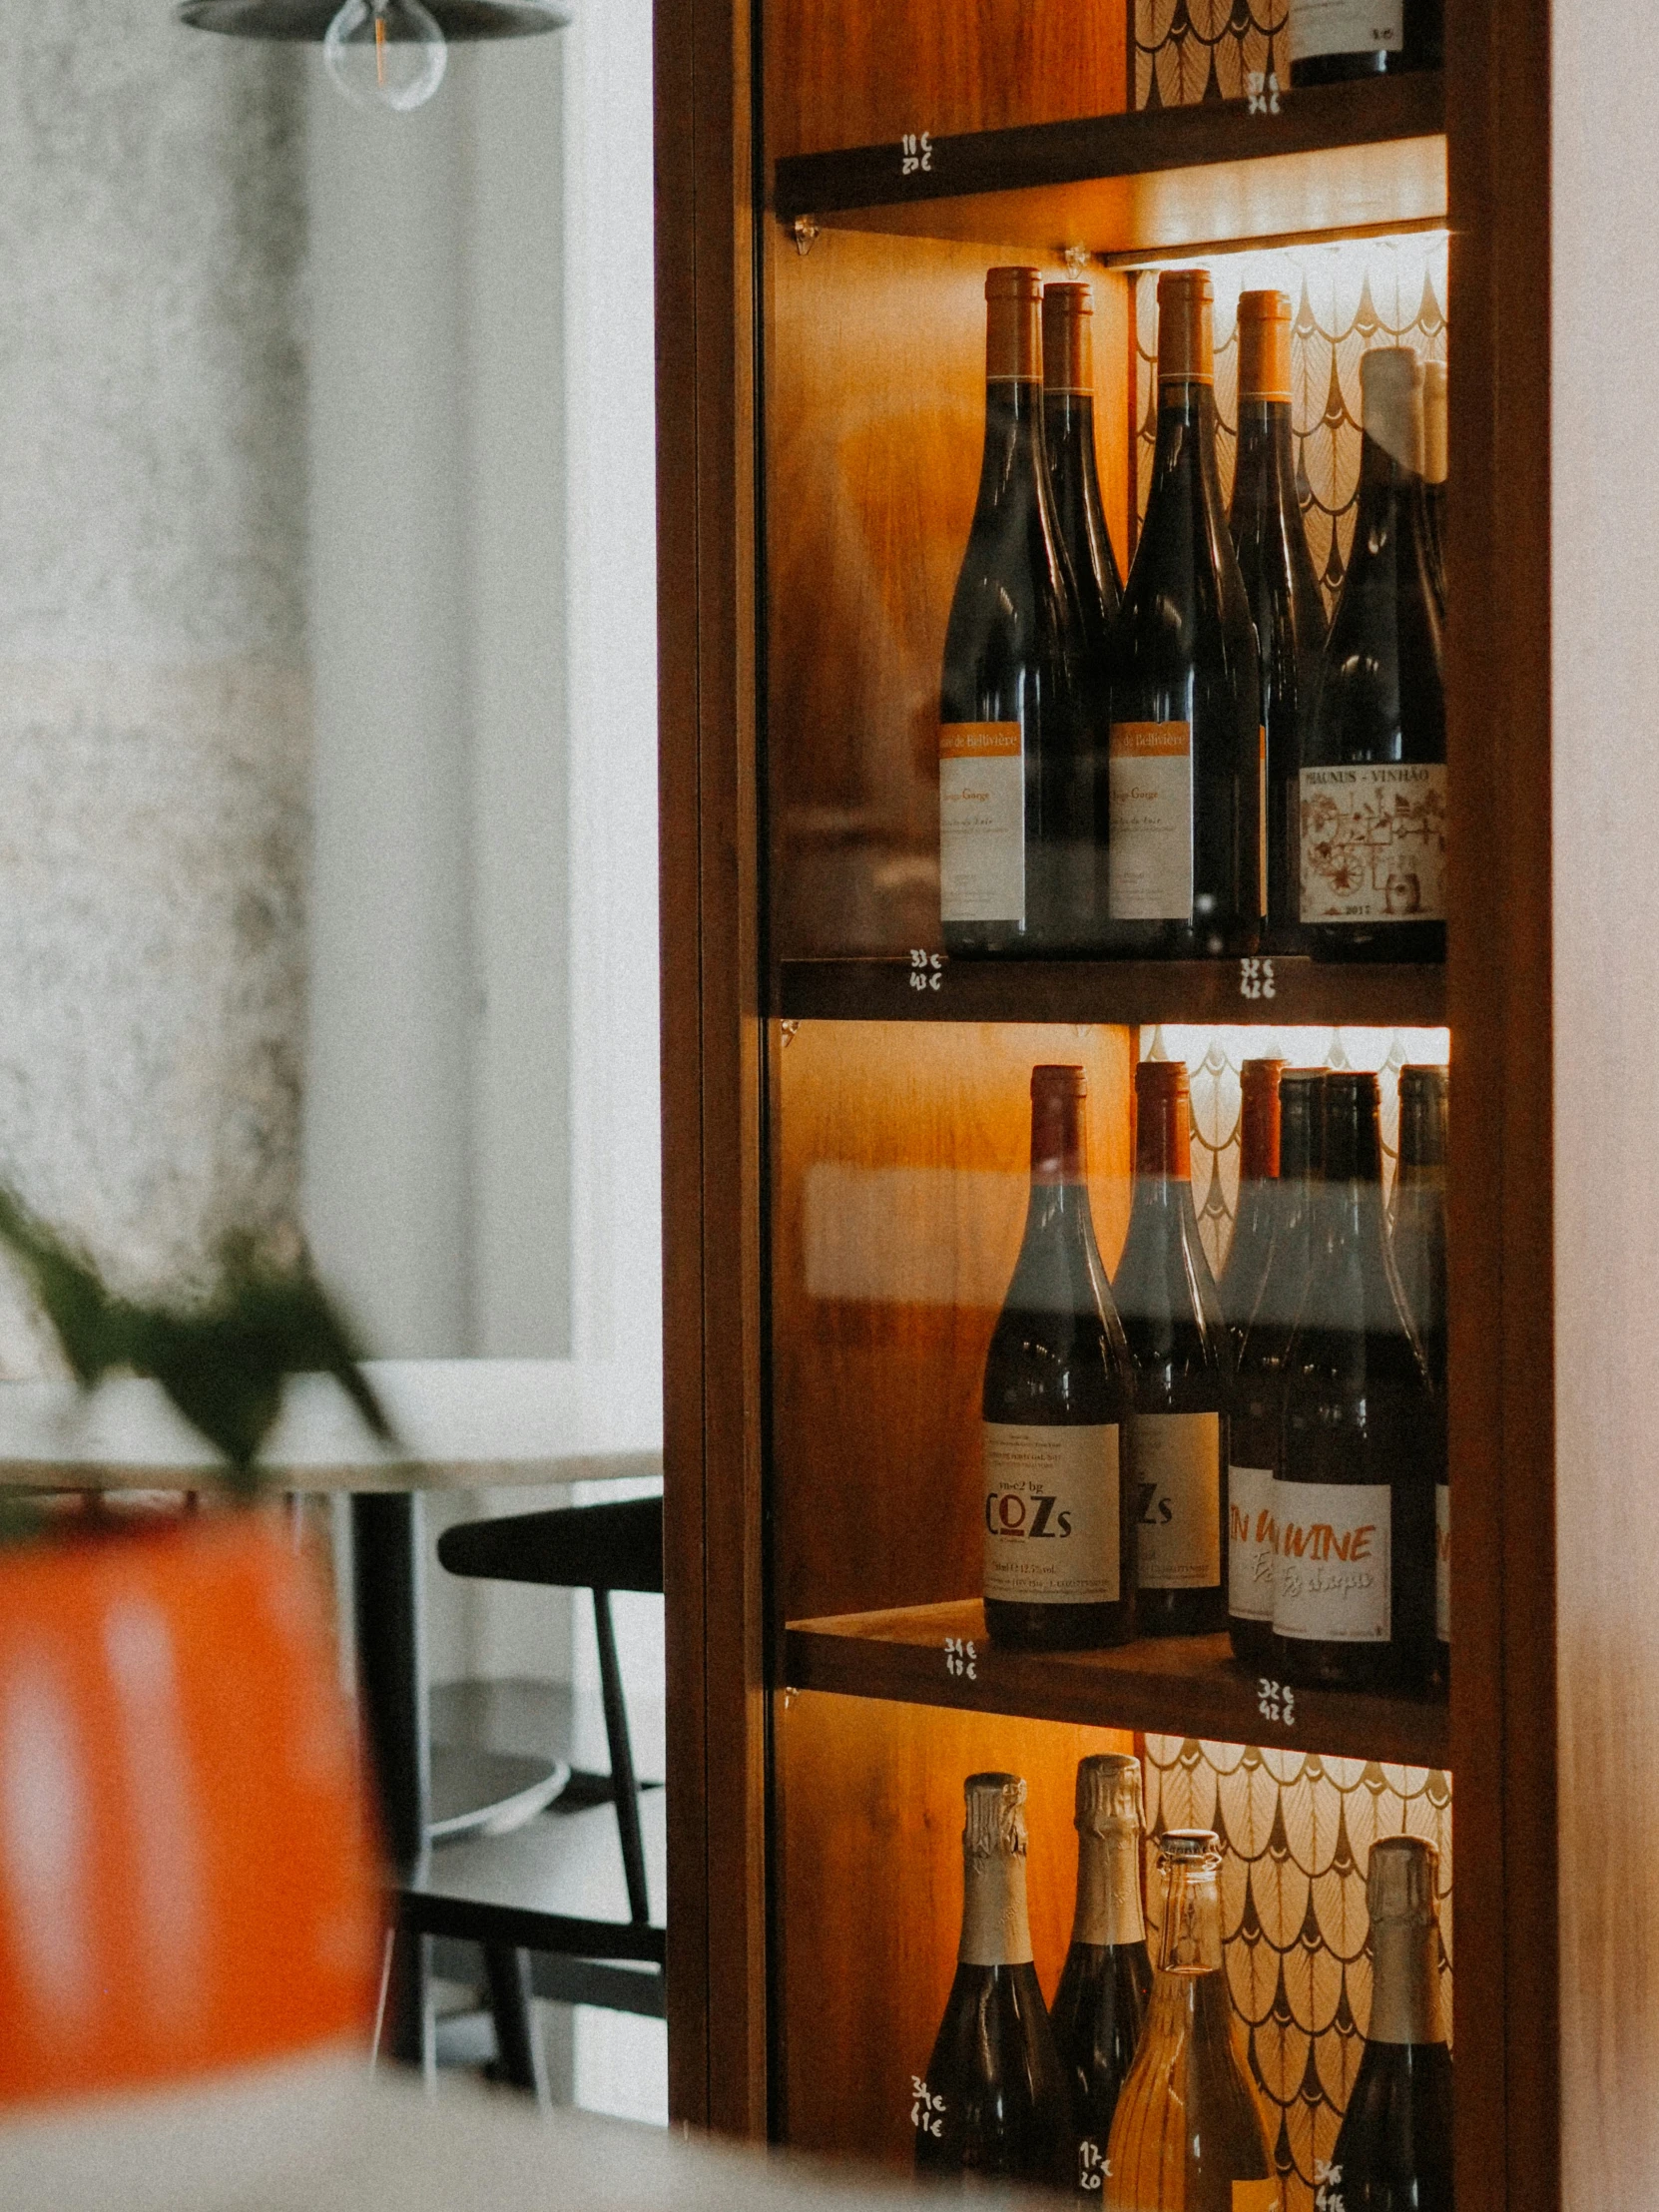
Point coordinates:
[[1443, 1562], [1176, 1464], [982, 822], [1345, 27], [1374, 843], [1052, 1514], [1333, 1583], [1149, 842], [1251, 1552]]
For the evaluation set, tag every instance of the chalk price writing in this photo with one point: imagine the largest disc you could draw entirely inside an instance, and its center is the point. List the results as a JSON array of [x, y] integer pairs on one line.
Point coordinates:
[[926, 2110], [1263, 89], [1256, 979], [960, 1657], [1276, 1703], [926, 970], [915, 151]]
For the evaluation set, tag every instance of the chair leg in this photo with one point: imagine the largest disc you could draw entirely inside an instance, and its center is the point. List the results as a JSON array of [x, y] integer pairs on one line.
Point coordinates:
[[519, 2059], [406, 2032], [623, 1784]]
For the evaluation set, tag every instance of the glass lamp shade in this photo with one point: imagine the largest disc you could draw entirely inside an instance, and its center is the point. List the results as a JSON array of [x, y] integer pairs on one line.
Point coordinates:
[[309, 19]]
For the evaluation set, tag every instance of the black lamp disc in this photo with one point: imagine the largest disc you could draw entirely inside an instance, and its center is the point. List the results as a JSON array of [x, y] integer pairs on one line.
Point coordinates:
[[309, 19]]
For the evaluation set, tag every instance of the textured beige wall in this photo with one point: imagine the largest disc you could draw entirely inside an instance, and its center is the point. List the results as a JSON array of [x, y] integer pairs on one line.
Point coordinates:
[[153, 697]]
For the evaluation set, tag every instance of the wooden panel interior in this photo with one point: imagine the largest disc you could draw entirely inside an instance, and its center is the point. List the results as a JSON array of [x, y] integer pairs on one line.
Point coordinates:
[[845, 72], [1336, 190], [901, 1181], [874, 430], [872, 1896]]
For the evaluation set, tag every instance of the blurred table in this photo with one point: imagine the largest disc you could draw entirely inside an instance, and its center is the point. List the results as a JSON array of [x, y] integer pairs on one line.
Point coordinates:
[[330, 2139]]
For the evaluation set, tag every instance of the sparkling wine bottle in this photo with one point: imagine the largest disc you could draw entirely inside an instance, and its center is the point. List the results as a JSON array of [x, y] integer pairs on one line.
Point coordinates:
[[1073, 472], [1100, 2005], [1183, 780], [1189, 2135], [1336, 38], [1258, 1203], [1282, 589], [1372, 774], [1059, 1528], [1167, 1301], [1259, 1377], [1434, 421], [994, 2101], [1417, 1235], [1394, 2153], [1016, 744], [1363, 1444]]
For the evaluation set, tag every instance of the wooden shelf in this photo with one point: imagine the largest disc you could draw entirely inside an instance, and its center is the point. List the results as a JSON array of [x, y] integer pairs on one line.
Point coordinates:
[[1164, 1686], [1362, 157], [1280, 993]]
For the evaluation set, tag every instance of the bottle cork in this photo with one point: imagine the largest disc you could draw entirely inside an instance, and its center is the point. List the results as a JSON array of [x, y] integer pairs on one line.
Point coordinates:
[[1108, 1793]]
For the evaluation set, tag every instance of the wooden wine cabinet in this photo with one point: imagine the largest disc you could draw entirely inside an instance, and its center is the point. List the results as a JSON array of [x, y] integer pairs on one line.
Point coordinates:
[[843, 1111]]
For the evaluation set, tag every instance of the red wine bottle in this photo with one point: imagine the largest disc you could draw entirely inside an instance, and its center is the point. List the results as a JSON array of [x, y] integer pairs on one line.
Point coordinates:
[[1435, 427], [1073, 472], [1100, 2005], [1167, 1301], [1394, 2151], [1374, 792], [1183, 781], [1363, 1443], [1059, 1528], [1418, 1232], [1282, 588], [1332, 39], [1259, 1377], [994, 2101], [1016, 744], [1257, 1212]]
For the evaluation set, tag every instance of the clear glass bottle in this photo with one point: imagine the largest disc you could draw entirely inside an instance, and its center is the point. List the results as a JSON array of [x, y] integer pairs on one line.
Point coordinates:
[[1394, 2152], [996, 2101], [1190, 2133], [1100, 2005]]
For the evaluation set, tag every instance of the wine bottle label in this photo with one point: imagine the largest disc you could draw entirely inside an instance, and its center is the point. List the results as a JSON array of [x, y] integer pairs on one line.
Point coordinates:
[[1374, 843], [1443, 1562], [1149, 846], [1052, 1514], [1176, 1462], [982, 822], [1345, 27], [1251, 1550], [1333, 1581]]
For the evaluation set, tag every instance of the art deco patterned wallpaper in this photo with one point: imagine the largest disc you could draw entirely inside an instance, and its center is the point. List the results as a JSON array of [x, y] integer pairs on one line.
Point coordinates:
[[1188, 51], [1296, 1831], [1345, 298]]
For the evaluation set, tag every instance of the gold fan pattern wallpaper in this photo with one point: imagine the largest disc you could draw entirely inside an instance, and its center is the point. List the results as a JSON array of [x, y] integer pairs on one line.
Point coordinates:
[[1296, 1831], [1345, 298], [1188, 51]]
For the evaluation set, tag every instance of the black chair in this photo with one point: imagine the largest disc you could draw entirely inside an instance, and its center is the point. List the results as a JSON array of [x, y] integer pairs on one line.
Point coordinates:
[[562, 1906]]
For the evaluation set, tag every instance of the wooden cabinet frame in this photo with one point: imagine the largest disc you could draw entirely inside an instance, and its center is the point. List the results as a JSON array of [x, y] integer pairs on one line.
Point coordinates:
[[1515, 1829]]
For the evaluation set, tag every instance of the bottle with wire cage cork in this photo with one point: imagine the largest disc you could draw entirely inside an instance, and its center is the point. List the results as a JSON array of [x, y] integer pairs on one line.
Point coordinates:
[[994, 2101], [1189, 2135]]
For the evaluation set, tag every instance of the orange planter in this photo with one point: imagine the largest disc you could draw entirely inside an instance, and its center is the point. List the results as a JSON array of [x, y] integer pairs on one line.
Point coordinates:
[[187, 1879]]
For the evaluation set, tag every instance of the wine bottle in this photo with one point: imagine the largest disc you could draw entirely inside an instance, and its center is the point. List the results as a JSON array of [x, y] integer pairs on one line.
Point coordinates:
[[995, 2100], [1256, 1211], [1259, 1375], [1100, 2005], [1434, 425], [1374, 754], [1166, 1298], [1418, 1230], [1073, 472], [1183, 778], [1336, 38], [1016, 747], [1190, 2133], [1059, 1528], [1394, 2151], [1282, 589], [1362, 1444]]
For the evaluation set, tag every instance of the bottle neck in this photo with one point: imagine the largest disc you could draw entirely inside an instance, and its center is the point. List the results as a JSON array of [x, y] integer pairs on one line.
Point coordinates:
[[1186, 444], [1406, 1984], [1012, 467], [1163, 1136], [996, 1929], [1109, 1888], [1192, 1921], [1265, 453]]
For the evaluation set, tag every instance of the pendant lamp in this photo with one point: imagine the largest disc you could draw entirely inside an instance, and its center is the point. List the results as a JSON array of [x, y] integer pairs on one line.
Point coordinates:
[[380, 53]]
